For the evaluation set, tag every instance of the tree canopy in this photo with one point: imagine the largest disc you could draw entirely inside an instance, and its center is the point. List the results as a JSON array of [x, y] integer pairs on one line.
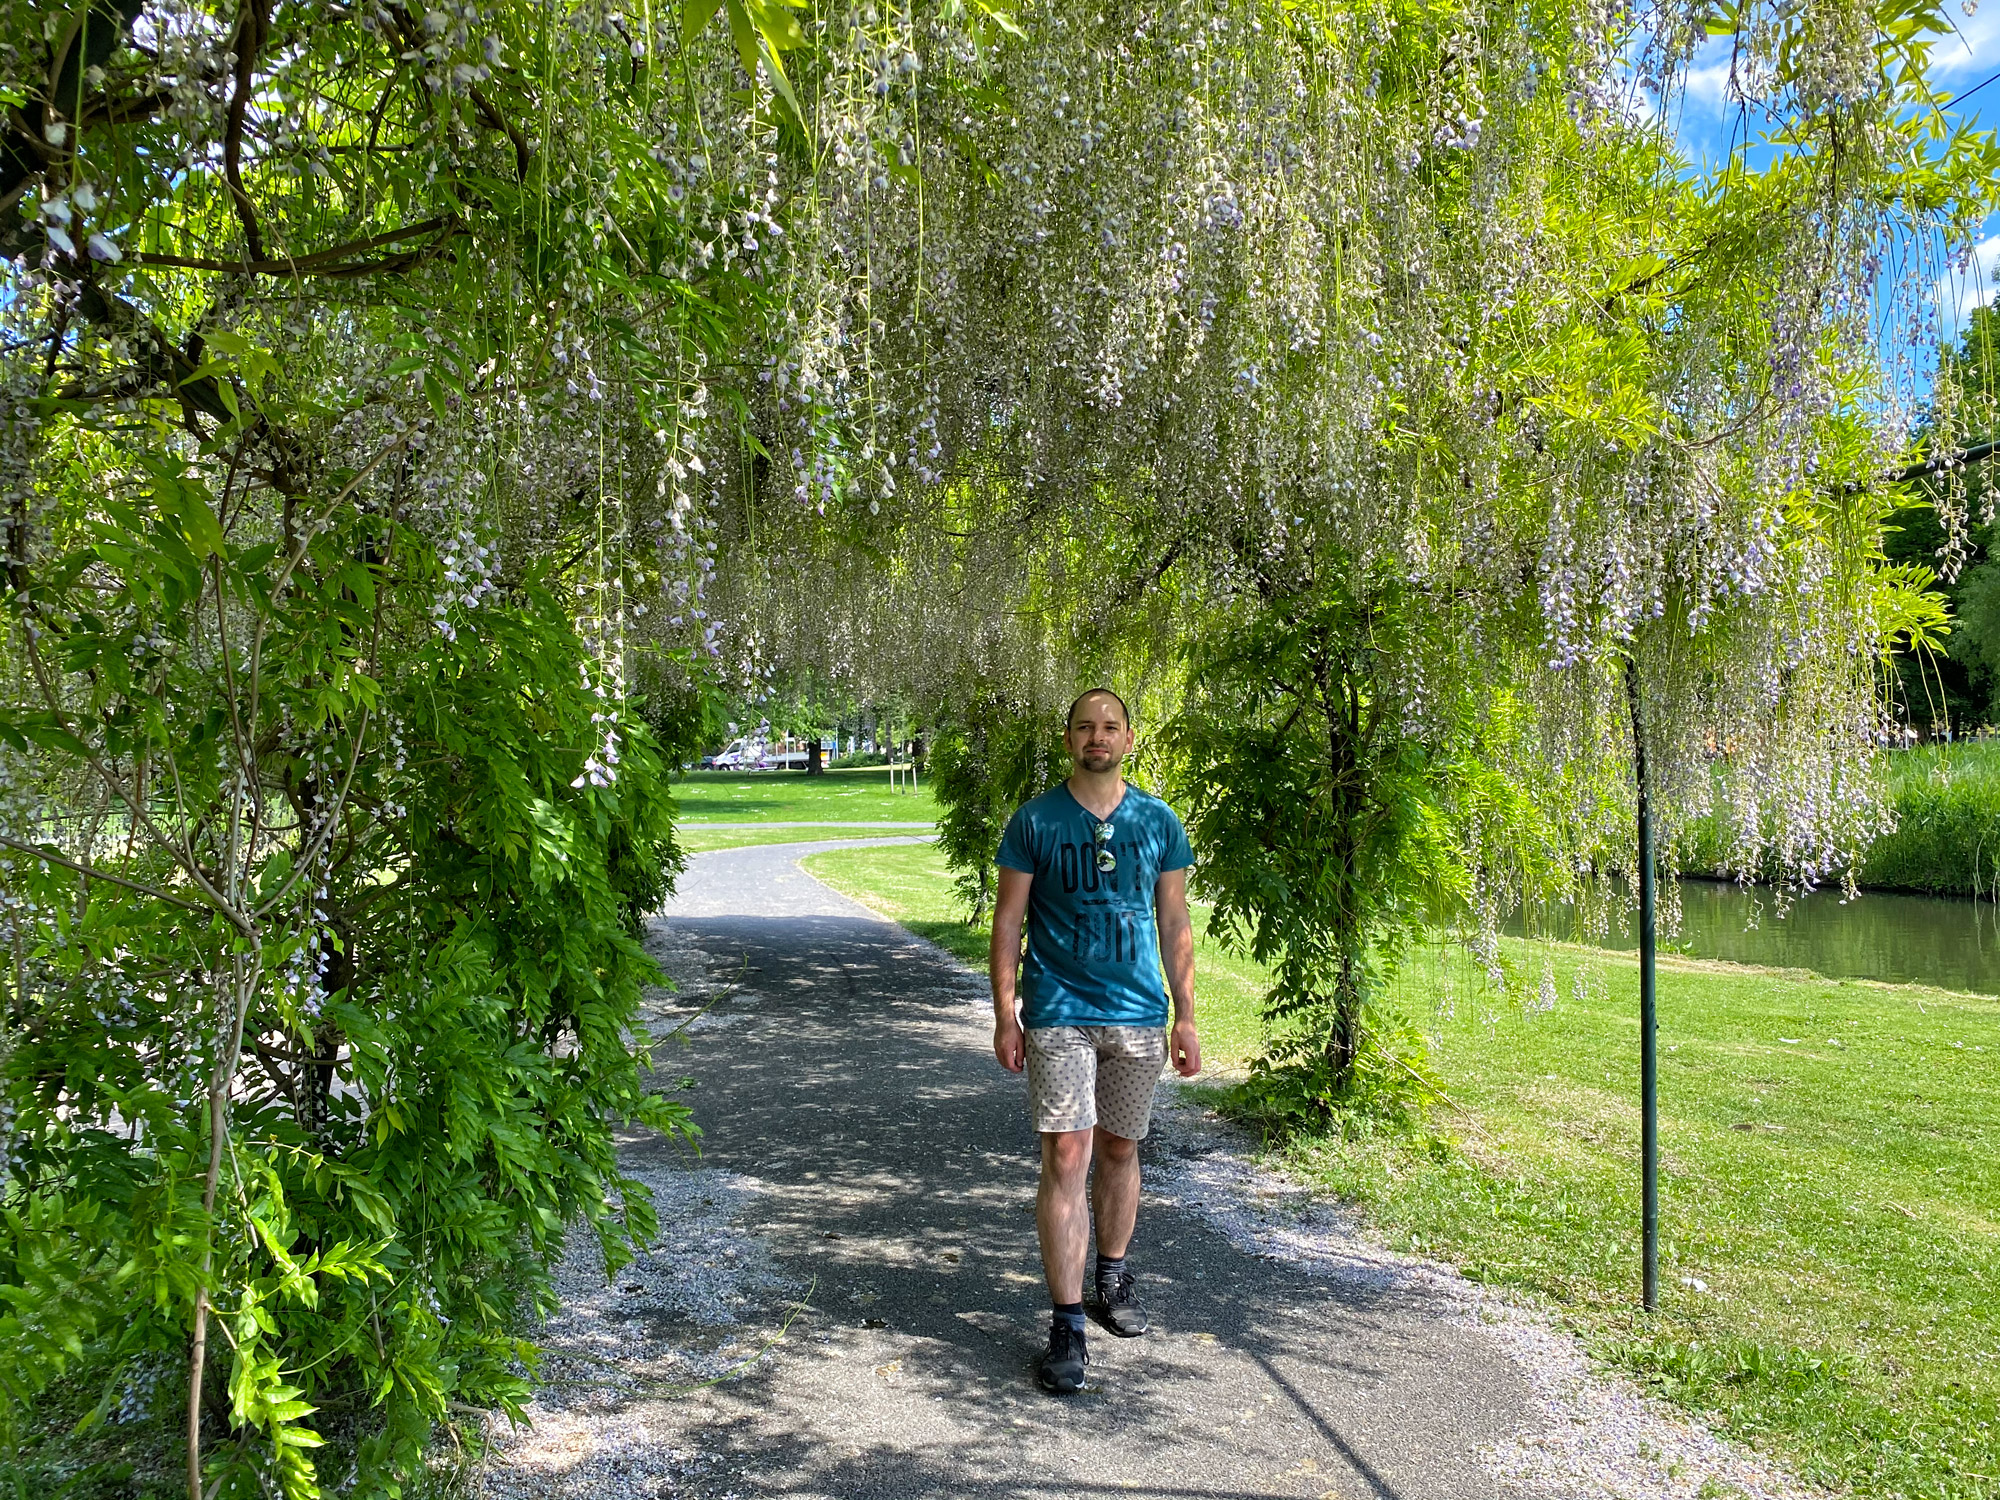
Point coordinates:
[[394, 390]]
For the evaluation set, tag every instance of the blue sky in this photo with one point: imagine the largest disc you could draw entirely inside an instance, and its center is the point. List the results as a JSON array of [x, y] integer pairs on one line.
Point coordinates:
[[1708, 117]]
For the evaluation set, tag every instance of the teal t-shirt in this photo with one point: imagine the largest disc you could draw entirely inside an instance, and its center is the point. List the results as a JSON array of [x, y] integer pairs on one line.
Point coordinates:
[[1093, 939]]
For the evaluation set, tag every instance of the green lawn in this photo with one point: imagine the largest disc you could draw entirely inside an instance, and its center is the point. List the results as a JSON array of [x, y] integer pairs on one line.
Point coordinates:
[[789, 796], [697, 839], [1831, 1180]]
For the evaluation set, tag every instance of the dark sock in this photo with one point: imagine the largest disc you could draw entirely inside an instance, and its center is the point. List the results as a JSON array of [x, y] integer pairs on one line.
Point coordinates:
[[1070, 1313], [1108, 1268]]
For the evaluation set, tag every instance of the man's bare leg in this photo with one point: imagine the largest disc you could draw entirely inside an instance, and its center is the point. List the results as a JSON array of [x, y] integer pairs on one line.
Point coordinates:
[[1062, 1212], [1114, 1192]]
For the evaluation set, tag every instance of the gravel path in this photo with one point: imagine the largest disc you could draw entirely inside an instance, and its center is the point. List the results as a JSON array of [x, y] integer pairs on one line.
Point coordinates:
[[845, 1299]]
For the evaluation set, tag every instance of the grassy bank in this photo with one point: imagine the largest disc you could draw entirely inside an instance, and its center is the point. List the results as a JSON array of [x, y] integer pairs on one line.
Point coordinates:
[[1831, 1178], [1947, 836]]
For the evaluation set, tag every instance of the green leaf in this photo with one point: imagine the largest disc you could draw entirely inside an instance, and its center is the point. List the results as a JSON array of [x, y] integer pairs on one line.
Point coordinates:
[[1000, 15], [744, 30], [52, 736], [204, 531], [1634, 270], [775, 21], [277, 870], [779, 81], [696, 16]]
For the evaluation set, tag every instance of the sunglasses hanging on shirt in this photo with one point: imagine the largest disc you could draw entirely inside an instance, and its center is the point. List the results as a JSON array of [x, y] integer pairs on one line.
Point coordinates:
[[1106, 860]]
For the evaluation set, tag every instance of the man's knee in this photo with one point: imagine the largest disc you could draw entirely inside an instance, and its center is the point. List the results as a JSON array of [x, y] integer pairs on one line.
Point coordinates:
[[1066, 1154], [1115, 1150]]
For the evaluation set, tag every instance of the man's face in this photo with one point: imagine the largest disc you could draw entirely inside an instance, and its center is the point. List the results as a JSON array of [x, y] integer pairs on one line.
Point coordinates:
[[1099, 738]]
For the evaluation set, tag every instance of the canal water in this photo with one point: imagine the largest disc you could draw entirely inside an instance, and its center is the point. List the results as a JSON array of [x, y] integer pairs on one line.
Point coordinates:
[[1954, 944]]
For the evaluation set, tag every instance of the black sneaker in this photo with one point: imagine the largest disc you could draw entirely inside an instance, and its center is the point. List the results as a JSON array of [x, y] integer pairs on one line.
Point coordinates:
[[1118, 1306], [1060, 1369]]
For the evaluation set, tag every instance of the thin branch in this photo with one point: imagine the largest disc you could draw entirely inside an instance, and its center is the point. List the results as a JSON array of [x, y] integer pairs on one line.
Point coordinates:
[[1723, 434], [1132, 588], [56, 343], [305, 541], [128, 111], [325, 831], [375, 119], [237, 737], [320, 262], [91, 872], [499, 122], [183, 856]]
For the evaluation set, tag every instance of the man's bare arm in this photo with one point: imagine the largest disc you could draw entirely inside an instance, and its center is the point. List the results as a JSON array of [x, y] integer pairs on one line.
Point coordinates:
[[1177, 952], [1003, 967]]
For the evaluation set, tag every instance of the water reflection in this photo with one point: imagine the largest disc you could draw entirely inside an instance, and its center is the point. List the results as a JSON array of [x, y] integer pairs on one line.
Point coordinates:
[[1954, 944]]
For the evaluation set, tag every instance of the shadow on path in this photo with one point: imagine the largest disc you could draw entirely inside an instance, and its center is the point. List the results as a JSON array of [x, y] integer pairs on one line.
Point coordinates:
[[887, 1168]]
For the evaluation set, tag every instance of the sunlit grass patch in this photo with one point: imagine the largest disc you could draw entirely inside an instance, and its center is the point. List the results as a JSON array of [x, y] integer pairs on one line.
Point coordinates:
[[698, 839], [785, 796]]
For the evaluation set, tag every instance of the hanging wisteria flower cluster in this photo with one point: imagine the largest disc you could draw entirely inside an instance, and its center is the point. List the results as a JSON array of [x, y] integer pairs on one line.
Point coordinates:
[[1146, 314]]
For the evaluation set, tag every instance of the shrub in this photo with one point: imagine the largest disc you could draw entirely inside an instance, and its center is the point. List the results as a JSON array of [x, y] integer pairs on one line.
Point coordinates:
[[1295, 1091], [424, 1047], [1316, 820], [1947, 835]]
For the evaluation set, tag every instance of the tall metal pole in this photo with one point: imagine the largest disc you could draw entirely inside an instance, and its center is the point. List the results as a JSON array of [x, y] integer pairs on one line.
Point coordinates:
[[1649, 1050]]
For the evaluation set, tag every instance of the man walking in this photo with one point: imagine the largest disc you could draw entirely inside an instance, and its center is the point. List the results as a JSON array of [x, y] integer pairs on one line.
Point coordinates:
[[1088, 865]]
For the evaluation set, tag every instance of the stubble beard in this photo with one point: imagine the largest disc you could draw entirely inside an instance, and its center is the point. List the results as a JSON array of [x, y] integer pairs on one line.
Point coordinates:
[[1098, 760]]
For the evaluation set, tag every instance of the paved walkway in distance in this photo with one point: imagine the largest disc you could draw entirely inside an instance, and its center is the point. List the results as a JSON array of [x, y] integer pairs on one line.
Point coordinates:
[[845, 1298]]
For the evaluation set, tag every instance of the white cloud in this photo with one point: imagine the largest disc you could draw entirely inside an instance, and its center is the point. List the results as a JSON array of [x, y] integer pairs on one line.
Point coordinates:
[[1707, 85], [1974, 53], [1705, 110]]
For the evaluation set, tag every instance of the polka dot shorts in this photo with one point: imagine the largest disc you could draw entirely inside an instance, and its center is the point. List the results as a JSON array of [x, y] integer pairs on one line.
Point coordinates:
[[1080, 1076]]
